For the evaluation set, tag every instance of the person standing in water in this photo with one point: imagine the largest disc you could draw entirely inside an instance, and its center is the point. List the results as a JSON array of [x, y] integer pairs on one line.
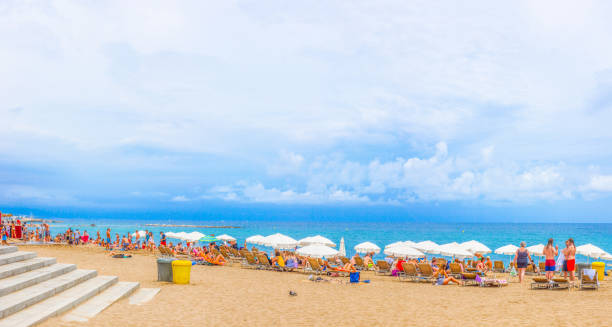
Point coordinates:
[[570, 259], [550, 252]]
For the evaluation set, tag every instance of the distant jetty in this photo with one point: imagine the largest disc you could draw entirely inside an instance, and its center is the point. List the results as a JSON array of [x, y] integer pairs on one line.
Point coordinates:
[[189, 226]]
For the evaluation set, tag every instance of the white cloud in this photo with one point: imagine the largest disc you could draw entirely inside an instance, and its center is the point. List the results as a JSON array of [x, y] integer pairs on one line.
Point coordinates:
[[179, 198], [600, 183]]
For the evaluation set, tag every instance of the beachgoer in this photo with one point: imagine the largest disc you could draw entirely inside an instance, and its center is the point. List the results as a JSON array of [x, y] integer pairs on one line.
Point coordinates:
[[570, 259], [162, 239], [442, 278], [550, 253], [368, 262], [521, 260]]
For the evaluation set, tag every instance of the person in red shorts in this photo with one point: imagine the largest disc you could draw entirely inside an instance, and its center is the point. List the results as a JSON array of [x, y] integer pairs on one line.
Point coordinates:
[[569, 265], [550, 252]]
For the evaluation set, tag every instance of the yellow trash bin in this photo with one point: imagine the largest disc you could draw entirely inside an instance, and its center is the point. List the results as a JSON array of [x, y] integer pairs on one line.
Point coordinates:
[[181, 271], [600, 267]]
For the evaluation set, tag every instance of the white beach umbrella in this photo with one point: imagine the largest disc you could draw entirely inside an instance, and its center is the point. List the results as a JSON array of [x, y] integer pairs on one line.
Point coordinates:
[[475, 247], [454, 250], [607, 256], [317, 251], [427, 247], [410, 243], [193, 236], [507, 249], [537, 250], [226, 237], [178, 236], [256, 239], [394, 244], [141, 233], [280, 241], [366, 247], [342, 248], [403, 250], [313, 240], [590, 250]]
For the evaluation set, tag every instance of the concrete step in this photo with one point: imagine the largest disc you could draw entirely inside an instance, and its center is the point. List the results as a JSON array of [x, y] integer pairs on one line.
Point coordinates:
[[60, 303], [8, 249], [15, 283], [102, 301], [28, 296], [11, 257], [143, 295], [20, 267]]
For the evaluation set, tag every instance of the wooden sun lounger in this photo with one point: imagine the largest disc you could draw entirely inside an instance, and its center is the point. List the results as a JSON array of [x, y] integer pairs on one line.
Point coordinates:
[[426, 272], [359, 263], [469, 279], [560, 283], [589, 283], [410, 273], [382, 268], [539, 283], [455, 269], [498, 266]]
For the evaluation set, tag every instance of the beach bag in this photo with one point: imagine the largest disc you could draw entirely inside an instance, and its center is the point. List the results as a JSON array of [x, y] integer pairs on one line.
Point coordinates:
[[354, 277]]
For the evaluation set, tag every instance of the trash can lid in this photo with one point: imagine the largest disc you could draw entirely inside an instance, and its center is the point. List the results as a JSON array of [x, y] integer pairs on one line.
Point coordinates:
[[181, 263], [165, 260], [598, 264]]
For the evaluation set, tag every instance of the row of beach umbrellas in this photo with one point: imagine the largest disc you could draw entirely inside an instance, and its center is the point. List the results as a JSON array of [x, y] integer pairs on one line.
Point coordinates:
[[320, 246]]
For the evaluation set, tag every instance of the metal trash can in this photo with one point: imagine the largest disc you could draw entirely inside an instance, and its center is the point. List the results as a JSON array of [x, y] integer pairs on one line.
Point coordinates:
[[580, 267], [164, 269]]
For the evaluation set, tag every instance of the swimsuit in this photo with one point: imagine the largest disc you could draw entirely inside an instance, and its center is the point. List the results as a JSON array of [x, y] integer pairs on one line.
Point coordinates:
[[570, 264], [550, 265], [521, 259]]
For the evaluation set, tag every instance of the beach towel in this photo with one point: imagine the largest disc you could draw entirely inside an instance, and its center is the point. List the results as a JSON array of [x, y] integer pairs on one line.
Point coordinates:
[[559, 263], [589, 272]]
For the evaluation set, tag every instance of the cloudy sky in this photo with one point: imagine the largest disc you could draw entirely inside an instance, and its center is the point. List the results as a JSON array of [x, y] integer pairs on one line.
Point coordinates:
[[387, 103]]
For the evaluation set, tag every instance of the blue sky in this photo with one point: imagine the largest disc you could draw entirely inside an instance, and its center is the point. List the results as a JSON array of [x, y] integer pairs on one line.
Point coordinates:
[[433, 109]]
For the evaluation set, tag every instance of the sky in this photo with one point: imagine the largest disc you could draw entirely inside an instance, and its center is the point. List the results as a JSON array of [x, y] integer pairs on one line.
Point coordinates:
[[444, 109]]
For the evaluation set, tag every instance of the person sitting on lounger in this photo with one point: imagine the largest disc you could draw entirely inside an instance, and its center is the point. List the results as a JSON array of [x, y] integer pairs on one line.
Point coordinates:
[[278, 259], [442, 278], [368, 262], [481, 266], [349, 267]]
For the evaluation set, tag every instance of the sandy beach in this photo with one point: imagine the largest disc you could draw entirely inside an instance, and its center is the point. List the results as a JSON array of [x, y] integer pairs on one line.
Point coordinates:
[[231, 296]]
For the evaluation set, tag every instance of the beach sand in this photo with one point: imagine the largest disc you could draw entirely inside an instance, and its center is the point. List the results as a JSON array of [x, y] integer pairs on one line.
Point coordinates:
[[231, 296]]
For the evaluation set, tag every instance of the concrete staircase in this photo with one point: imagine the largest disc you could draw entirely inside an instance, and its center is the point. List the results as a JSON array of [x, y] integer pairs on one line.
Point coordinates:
[[33, 289]]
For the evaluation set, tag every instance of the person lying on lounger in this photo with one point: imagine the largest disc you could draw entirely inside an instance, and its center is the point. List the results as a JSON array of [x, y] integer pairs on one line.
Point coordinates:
[[349, 267], [442, 278]]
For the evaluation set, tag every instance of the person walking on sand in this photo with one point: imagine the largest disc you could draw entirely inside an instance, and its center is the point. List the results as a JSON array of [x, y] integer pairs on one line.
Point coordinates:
[[521, 260], [550, 253], [570, 259]]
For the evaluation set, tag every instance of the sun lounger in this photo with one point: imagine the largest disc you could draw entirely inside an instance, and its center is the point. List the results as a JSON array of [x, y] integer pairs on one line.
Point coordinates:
[[345, 260], [560, 283], [498, 266], [542, 267], [382, 267], [539, 283], [315, 267], [490, 282], [410, 273], [469, 279], [589, 279], [426, 272], [455, 270], [249, 261], [359, 263]]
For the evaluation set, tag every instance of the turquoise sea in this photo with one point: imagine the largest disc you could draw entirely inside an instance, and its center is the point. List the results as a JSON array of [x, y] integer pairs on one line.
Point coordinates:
[[493, 235]]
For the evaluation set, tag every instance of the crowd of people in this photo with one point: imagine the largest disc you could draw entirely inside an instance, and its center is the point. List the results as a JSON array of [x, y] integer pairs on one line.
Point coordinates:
[[24, 230]]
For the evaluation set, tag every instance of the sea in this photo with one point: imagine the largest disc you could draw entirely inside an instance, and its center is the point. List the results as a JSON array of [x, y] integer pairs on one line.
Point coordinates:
[[493, 235]]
